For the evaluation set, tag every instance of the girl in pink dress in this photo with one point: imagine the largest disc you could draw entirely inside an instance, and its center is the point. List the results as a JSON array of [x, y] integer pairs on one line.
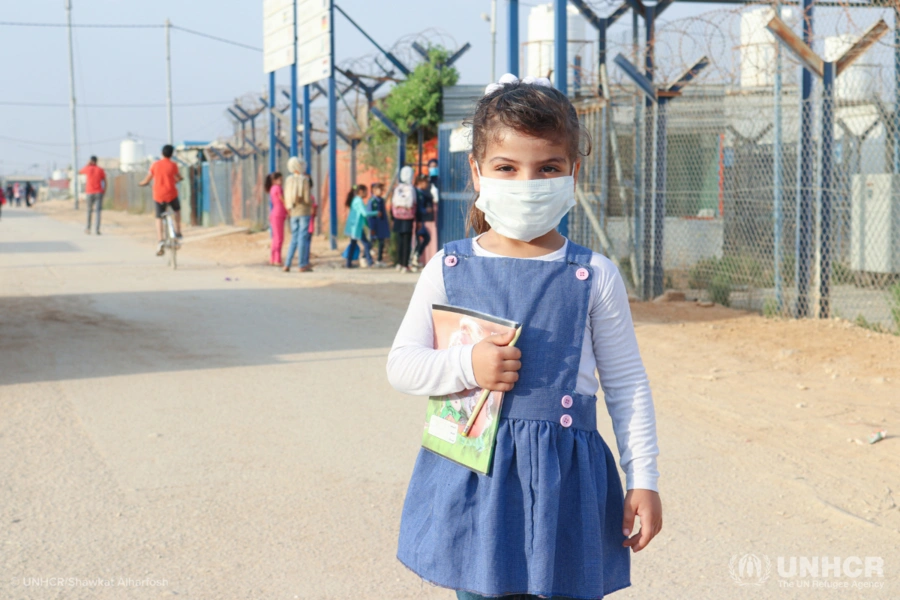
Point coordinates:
[[277, 215]]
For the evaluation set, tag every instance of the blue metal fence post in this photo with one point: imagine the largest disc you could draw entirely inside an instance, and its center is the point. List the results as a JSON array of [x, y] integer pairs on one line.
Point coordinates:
[[512, 48], [896, 89], [638, 189], [805, 176], [332, 145], [604, 125], [560, 61], [272, 152], [293, 136], [659, 203], [560, 50], [648, 189], [825, 241], [776, 180], [307, 132]]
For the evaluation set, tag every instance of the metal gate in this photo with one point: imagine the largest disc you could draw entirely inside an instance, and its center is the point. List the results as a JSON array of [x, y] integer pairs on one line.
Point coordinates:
[[455, 191]]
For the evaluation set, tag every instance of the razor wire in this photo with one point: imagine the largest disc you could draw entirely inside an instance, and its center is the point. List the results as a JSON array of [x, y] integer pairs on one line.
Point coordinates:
[[753, 217]]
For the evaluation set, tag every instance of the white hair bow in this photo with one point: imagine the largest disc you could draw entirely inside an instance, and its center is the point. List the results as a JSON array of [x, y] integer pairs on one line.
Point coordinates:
[[510, 78]]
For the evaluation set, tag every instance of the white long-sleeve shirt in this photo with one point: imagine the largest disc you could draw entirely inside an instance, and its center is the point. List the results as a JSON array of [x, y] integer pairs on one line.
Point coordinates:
[[609, 349]]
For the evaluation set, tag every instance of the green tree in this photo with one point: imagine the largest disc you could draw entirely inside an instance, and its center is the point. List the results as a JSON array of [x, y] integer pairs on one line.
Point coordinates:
[[415, 100]]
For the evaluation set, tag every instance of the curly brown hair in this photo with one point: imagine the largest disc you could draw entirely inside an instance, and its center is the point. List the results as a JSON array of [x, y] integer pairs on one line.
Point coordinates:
[[534, 110]]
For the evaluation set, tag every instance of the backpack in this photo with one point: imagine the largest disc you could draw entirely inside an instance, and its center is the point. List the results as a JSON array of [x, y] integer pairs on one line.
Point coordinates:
[[403, 202]]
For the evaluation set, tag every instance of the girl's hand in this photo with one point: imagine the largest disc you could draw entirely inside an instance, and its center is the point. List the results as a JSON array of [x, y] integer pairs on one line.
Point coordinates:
[[646, 505], [496, 365]]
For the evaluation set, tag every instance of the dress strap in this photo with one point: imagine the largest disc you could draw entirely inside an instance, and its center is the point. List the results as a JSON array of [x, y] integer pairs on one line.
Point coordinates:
[[578, 255], [461, 247]]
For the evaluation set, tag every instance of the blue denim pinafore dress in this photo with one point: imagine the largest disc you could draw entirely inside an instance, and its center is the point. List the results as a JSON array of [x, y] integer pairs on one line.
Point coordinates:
[[547, 519]]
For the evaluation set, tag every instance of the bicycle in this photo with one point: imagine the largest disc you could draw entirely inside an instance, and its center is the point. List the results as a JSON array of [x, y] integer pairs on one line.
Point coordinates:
[[169, 239]]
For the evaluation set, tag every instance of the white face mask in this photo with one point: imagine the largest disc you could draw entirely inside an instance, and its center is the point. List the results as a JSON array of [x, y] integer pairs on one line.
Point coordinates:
[[525, 209]]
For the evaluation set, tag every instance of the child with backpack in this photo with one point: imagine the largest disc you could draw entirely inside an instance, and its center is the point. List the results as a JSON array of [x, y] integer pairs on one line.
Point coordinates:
[[403, 209], [424, 218]]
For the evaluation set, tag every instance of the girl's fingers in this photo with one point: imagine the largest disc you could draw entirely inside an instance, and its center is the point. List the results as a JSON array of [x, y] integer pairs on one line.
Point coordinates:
[[511, 365], [510, 353], [647, 534], [650, 526], [628, 524]]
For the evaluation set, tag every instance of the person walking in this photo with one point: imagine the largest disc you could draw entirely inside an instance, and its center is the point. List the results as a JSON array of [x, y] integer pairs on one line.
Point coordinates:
[[30, 194], [298, 203], [356, 226], [277, 216], [94, 189], [550, 519], [17, 192], [2, 201], [403, 209], [379, 225], [165, 176]]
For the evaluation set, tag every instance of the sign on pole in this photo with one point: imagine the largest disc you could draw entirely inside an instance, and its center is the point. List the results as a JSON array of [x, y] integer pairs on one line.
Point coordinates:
[[313, 40], [278, 34]]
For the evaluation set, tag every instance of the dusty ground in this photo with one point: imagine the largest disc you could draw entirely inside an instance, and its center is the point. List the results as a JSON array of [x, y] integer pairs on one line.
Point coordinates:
[[222, 428]]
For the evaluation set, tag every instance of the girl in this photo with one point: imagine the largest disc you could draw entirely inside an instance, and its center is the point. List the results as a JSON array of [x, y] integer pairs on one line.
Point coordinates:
[[550, 518], [379, 225], [276, 216], [356, 223]]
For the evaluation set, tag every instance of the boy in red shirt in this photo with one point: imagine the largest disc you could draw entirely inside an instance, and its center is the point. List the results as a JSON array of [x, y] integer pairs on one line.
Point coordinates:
[[94, 188], [165, 193]]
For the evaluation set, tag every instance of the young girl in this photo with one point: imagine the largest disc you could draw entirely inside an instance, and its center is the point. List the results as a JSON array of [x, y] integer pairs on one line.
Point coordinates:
[[356, 223], [277, 216], [379, 225], [550, 518]]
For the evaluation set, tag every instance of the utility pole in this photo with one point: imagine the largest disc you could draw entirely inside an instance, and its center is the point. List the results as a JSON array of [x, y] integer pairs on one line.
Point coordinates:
[[72, 105], [169, 80], [492, 19], [493, 41]]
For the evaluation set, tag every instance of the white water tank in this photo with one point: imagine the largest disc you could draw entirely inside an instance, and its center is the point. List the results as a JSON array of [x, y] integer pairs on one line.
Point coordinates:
[[539, 55], [758, 49], [858, 81], [131, 155], [875, 224]]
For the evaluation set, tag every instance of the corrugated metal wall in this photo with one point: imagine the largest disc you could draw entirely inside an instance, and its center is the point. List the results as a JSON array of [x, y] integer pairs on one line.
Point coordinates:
[[459, 102]]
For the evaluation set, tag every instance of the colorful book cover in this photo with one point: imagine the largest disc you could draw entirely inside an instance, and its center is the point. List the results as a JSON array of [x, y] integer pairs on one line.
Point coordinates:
[[447, 416]]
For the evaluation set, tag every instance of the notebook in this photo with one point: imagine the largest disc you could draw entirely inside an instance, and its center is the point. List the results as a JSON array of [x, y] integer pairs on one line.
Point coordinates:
[[447, 417]]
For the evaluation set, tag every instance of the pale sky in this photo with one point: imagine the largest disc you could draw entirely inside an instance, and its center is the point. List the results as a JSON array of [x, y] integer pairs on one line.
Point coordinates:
[[127, 66]]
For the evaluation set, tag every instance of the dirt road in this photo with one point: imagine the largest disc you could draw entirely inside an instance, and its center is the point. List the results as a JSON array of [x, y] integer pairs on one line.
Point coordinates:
[[224, 431]]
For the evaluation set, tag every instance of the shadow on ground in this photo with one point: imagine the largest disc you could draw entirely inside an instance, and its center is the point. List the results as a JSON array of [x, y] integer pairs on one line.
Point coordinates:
[[37, 247], [54, 338]]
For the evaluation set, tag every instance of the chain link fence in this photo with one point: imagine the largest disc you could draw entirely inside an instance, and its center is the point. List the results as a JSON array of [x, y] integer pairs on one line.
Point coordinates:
[[744, 190], [214, 192]]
